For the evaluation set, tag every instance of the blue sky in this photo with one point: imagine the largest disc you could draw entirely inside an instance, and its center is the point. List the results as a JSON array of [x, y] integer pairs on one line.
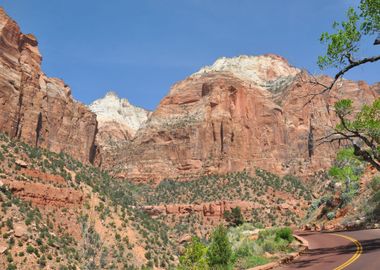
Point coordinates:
[[140, 48]]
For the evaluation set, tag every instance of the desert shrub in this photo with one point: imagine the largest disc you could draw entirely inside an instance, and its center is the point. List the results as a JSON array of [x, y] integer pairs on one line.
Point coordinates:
[[234, 217], [9, 223], [285, 234], [42, 261], [11, 266], [30, 249], [276, 239], [9, 257], [345, 198], [330, 215], [376, 197], [375, 183]]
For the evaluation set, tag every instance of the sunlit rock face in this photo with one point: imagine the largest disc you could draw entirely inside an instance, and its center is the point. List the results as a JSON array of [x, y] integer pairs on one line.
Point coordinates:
[[118, 122], [113, 109], [37, 109], [270, 71], [237, 114]]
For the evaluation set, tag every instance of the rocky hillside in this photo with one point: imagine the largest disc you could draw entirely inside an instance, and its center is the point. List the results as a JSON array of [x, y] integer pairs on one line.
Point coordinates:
[[240, 113], [57, 212], [118, 122], [37, 109], [239, 132]]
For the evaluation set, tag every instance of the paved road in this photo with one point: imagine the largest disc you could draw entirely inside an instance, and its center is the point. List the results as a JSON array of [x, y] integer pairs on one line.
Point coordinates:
[[354, 250]]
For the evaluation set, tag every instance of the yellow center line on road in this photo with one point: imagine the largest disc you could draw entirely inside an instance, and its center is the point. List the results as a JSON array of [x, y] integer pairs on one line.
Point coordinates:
[[359, 250]]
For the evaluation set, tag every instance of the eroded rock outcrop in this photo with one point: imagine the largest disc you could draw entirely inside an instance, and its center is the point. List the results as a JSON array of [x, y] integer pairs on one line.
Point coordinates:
[[37, 109], [212, 209], [240, 113], [45, 194]]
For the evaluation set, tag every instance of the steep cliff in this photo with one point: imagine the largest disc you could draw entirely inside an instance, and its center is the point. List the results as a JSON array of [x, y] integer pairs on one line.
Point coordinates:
[[37, 109], [240, 113]]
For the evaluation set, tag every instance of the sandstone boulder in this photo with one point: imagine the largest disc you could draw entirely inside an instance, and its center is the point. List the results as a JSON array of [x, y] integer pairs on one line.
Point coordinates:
[[21, 163], [20, 230], [3, 248], [184, 239]]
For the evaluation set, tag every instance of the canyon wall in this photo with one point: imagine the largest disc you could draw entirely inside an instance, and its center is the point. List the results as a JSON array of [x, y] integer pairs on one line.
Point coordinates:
[[238, 114], [37, 109]]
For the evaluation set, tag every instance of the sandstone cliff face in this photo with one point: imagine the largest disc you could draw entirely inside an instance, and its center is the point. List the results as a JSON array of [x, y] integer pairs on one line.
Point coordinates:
[[240, 113], [37, 109], [118, 122], [118, 115]]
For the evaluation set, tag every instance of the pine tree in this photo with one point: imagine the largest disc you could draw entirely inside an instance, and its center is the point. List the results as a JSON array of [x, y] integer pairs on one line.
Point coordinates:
[[219, 253]]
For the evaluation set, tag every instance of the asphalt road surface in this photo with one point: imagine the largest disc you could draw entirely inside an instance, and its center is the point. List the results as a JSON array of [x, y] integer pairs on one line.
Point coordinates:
[[353, 250]]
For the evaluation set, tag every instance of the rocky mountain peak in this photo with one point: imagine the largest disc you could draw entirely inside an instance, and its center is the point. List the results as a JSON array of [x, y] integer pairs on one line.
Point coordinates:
[[112, 108], [269, 71], [112, 95]]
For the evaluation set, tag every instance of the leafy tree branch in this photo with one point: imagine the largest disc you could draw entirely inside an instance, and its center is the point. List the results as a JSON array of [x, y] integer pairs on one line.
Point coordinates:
[[362, 130], [344, 43]]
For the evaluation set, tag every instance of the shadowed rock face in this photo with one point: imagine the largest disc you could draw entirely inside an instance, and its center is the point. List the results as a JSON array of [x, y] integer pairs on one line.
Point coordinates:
[[37, 109], [225, 119]]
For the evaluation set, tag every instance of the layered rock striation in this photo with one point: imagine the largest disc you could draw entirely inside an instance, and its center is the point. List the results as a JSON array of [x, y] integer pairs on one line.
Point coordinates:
[[238, 114], [34, 108]]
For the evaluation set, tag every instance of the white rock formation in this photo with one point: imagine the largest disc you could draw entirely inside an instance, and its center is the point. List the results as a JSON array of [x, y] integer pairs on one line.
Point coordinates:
[[112, 109], [268, 71]]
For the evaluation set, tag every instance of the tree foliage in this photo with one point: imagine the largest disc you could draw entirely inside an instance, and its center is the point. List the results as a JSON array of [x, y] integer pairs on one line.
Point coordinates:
[[370, 12], [362, 129], [341, 44], [194, 257], [347, 169], [234, 217], [219, 253], [344, 42]]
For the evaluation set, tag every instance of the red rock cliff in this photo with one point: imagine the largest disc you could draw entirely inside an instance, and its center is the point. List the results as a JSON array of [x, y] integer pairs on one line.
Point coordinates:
[[37, 109], [240, 113]]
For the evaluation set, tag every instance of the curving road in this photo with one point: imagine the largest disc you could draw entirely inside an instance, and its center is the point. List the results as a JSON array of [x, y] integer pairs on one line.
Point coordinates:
[[353, 250]]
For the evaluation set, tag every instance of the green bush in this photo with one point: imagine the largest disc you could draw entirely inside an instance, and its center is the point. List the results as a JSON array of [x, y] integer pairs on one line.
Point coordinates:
[[375, 183], [330, 215], [269, 245], [285, 234], [29, 249], [219, 253], [234, 217], [376, 197], [11, 266], [42, 261], [345, 198], [194, 256]]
